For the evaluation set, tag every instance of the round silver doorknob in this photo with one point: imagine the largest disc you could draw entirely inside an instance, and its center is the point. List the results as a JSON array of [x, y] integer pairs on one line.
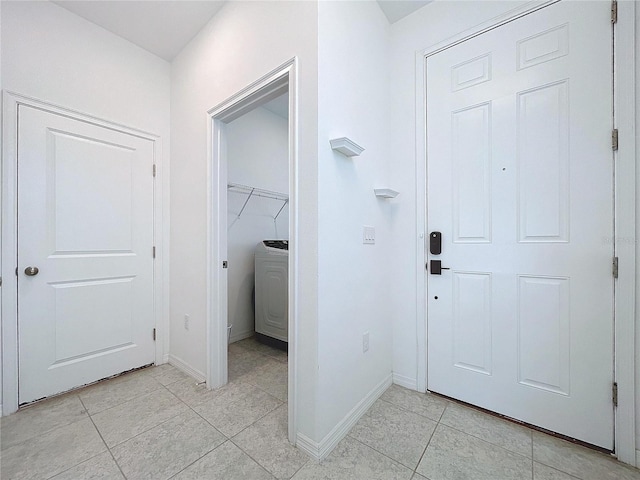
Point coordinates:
[[31, 271]]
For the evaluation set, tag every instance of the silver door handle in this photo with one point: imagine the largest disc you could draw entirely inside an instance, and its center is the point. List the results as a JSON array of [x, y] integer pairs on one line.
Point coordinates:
[[31, 271]]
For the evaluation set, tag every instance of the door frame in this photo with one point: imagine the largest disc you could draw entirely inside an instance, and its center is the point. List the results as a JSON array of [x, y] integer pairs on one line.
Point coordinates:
[[271, 85], [9, 236], [625, 211]]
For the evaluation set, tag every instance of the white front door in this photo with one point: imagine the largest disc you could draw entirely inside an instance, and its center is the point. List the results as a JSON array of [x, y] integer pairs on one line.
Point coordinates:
[[520, 184], [85, 221]]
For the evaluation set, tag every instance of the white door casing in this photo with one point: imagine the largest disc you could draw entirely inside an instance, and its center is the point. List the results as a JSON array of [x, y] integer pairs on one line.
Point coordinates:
[[85, 220], [520, 183]]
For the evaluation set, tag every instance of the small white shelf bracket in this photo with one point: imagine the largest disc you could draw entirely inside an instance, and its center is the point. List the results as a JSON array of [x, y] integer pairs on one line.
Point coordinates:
[[386, 193], [346, 147]]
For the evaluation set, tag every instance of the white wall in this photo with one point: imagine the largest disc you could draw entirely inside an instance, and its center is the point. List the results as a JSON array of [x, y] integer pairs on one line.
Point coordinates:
[[258, 156], [58, 57], [353, 291], [431, 25], [637, 51], [243, 42]]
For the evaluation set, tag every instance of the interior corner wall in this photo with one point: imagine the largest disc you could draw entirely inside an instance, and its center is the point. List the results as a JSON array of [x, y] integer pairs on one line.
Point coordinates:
[[637, 78], [55, 56], [354, 280], [258, 156], [243, 42], [428, 26], [1, 113]]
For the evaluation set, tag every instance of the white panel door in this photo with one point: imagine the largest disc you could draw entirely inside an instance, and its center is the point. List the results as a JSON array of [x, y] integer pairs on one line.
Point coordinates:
[[520, 183], [85, 221]]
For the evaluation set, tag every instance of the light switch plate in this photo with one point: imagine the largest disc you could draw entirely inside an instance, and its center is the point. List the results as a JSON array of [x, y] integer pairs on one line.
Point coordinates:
[[368, 235]]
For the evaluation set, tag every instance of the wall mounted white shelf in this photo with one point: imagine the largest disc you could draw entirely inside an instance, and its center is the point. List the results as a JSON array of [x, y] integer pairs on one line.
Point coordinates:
[[345, 146], [385, 193]]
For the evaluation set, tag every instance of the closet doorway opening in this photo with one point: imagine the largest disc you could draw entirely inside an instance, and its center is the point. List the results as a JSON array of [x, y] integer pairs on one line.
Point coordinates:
[[252, 239]]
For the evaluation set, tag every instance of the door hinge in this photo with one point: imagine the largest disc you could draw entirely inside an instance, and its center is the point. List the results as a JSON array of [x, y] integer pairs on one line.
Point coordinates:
[[614, 139], [16, 271], [614, 11], [614, 268], [154, 252], [614, 393], [154, 169], [154, 334]]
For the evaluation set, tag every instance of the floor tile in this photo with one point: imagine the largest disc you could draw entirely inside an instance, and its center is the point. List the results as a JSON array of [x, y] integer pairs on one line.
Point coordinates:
[[243, 363], [267, 443], [453, 455], [352, 460], [271, 377], [417, 476], [40, 418], [167, 374], [236, 407], [579, 461], [489, 428], [395, 432], [542, 472], [138, 415], [190, 392], [227, 462], [113, 392], [52, 453], [424, 404], [164, 450], [100, 467]]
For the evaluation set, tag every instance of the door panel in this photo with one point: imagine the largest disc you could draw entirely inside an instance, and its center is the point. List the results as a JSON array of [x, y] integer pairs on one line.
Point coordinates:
[[520, 183], [85, 220]]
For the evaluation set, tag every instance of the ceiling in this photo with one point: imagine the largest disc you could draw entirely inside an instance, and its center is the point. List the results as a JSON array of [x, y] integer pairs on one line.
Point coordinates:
[[279, 106], [164, 27], [160, 27], [398, 9]]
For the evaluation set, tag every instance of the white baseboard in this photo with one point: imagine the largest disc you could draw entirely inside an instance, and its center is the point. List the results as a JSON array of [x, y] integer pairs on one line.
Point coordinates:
[[319, 451], [186, 368], [165, 358], [236, 337], [406, 382], [638, 458]]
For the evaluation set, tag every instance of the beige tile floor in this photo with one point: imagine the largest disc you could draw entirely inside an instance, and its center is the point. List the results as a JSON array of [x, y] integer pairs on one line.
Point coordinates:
[[158, 424]]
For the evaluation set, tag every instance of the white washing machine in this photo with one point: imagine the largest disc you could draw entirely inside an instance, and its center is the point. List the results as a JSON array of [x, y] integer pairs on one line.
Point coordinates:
[[272, 289]]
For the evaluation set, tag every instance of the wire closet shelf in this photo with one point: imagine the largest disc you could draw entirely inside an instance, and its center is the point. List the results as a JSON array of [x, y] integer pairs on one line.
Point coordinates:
[[258, 192]]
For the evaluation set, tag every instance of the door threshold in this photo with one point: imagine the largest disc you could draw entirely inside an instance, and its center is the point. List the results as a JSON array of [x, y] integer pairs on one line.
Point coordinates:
[[24, 405], [530, 426]]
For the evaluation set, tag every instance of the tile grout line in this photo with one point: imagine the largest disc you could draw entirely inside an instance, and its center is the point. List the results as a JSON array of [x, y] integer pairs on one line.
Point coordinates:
[[46, 431], [103, 441], [200, 458], [125, 401], [415, 470], [532, 461], [148, 429], [486, 441]]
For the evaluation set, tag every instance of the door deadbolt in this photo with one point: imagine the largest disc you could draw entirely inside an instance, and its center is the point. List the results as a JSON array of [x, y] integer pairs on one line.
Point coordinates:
[[31, 271]]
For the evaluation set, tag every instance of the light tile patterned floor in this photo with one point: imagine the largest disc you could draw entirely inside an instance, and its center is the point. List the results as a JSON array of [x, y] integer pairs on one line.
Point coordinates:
[[158, 424]]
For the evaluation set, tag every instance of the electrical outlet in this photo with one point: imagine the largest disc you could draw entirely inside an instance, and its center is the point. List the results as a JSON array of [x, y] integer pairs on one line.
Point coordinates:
[[368, 235], [365, 342], [186, 322]]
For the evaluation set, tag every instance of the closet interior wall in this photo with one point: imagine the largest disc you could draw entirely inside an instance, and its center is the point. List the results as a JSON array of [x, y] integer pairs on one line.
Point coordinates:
[[258, 157]]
